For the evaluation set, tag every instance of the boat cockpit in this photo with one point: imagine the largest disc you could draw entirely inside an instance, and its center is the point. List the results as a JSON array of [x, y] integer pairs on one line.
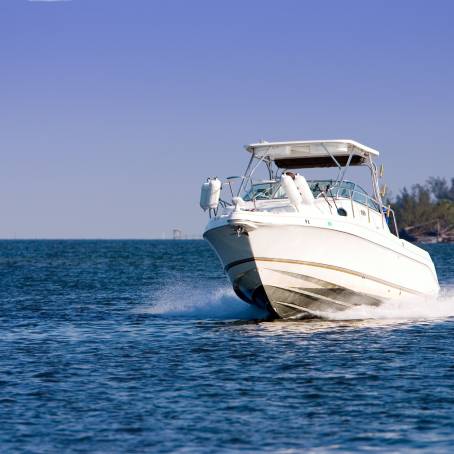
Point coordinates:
[[273, 190], [281, 162]]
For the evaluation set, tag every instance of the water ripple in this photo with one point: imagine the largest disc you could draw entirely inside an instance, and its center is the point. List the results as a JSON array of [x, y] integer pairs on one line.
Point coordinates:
[[141, 346]]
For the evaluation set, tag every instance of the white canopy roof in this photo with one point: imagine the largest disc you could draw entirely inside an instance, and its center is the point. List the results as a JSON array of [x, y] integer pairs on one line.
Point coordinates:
[[313, 153]]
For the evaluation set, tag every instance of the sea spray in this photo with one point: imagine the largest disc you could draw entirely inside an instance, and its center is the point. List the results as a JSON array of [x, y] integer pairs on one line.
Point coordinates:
[[188, 301], [184, 300], [437, 308]]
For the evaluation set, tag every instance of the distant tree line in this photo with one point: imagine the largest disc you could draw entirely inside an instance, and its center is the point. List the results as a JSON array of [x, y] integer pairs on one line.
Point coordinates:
[[426, 209]]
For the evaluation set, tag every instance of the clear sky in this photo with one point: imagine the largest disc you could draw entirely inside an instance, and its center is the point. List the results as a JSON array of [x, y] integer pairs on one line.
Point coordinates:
[[112, 112]]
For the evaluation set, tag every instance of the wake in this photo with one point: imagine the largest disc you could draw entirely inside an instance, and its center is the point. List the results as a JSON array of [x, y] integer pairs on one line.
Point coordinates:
[[184, 301], [438, 308], [187, 301]]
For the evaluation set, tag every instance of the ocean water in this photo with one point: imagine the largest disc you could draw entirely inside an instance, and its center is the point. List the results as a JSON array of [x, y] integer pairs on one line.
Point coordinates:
[[141, 346]]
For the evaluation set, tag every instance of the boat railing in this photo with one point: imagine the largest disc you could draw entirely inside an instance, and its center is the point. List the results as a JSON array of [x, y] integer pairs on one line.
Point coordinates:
[[335, 192], [366, 200], [390, 212], [356, 196]]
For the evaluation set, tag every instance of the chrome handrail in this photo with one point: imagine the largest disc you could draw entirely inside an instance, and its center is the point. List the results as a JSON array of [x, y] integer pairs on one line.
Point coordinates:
[[334, 191], [391, 211]]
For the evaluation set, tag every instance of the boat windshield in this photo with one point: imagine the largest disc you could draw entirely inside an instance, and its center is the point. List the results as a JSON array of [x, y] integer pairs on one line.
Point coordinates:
[[264, 191], [268, 190], [344, 189]]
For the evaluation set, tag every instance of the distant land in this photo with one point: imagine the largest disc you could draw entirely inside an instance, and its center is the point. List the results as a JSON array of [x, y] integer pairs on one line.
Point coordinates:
[[425, 212]]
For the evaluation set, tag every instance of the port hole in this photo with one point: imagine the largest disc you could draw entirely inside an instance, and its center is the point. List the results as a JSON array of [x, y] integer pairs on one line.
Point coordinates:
[[341, 212]]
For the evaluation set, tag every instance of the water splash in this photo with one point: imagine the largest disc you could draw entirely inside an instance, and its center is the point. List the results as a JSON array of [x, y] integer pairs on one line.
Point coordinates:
[[185, 301], [438, 308]]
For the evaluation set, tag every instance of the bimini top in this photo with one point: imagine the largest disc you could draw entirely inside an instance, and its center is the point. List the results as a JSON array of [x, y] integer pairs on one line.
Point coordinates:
[[313, 153]]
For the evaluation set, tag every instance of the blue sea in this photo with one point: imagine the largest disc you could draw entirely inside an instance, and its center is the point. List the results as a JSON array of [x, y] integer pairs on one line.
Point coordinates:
[[141, 346]]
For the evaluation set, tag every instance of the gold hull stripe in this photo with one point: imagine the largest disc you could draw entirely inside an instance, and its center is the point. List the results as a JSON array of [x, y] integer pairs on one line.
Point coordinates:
[[324, 266]]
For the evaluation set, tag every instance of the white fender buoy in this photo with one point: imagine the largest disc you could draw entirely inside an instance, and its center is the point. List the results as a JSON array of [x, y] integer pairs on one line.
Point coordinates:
[[304, 189], [291, 190], [215, 193], [210, 194], [204, 195]]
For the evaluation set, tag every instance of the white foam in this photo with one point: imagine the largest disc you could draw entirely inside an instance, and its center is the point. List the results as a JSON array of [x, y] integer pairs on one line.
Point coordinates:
[[192, 302], [438, 308], [187, 301]]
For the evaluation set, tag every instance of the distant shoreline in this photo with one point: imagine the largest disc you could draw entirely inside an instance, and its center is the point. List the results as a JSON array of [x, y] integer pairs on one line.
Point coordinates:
[[142, 240]]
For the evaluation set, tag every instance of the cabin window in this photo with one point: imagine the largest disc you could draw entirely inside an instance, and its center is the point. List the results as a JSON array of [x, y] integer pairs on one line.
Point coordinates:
[[373, 204], [360, 197]]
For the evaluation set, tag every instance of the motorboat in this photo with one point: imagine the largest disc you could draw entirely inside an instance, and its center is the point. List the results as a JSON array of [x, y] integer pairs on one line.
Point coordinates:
[[299, 246]]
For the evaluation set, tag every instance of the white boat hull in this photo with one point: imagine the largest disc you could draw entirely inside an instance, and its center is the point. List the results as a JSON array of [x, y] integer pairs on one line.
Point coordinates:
[[301, 270]]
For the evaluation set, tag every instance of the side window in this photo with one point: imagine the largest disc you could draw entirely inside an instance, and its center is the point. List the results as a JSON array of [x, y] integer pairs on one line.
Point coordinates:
[[360, 189], [374, 205], [360, 197]]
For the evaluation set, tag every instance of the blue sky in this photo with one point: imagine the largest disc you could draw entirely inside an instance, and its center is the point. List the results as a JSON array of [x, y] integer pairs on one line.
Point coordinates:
[[113, 112]]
